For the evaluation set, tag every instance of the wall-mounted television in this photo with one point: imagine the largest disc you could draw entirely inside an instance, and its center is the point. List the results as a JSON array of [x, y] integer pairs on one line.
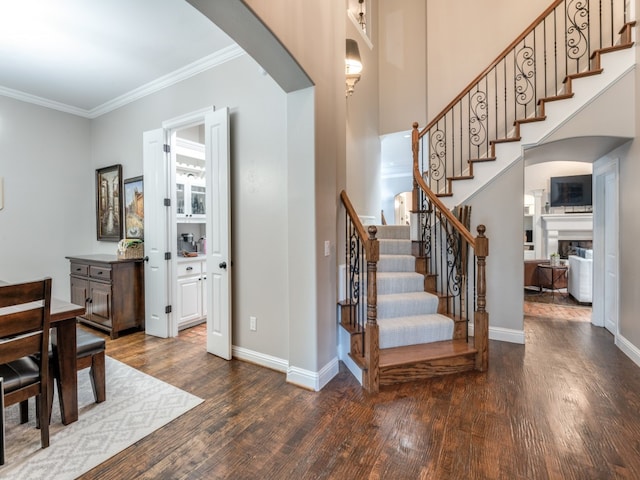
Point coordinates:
[[571, 191]]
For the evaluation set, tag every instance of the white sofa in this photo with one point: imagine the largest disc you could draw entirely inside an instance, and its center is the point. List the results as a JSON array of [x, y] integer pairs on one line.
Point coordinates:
[[581, 278]]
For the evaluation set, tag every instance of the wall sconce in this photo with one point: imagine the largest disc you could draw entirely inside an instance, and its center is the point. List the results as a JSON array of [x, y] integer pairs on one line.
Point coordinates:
[[352, 65]]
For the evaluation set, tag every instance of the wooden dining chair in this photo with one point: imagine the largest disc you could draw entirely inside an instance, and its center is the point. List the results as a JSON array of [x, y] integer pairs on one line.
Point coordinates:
[[90, 353], [25, 311]]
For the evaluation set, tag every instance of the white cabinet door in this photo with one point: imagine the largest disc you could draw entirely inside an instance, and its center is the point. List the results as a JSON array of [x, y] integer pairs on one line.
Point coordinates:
[[189, 299]]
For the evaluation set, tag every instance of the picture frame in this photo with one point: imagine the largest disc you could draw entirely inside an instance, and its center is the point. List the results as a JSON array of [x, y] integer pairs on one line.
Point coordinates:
[[109, 203], [134, 208]]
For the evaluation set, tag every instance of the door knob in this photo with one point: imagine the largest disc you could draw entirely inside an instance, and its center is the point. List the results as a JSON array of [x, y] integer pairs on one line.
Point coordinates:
[[223, 265], [146, 259]]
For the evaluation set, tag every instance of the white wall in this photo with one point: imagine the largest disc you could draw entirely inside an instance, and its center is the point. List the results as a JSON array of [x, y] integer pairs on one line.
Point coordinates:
[[362, 139], [314, 32], [499, 207], [49, 207], [402, 57], [258, 184], [630, 229], [465, 36]]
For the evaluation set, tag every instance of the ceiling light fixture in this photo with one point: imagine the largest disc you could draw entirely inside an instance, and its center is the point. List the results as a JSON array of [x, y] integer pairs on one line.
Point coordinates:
[[361, 19], [352, 65]]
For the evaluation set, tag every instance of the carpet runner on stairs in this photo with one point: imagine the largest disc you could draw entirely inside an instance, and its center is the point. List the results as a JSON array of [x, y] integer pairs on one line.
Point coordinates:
[[407, 315]]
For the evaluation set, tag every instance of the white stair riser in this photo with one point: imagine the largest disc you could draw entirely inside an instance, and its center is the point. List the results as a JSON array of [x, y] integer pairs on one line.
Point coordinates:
[[397, 263], [399, 283], [395, 247], [397, 332], [393, 231], [404, 305]]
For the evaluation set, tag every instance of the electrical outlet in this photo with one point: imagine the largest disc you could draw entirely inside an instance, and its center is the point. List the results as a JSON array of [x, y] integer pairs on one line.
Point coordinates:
[[327, 248], [253, 324]]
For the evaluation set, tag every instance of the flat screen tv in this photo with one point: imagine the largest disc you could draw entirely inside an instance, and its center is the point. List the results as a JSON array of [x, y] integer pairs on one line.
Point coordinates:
[[572, 191]]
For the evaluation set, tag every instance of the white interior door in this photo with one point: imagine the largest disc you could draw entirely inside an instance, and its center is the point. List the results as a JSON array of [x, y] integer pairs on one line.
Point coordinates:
[[611, 252], [156, 270], [218, 234]]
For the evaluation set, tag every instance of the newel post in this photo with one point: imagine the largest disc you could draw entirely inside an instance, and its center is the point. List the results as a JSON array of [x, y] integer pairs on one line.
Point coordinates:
[[481, 317], [371, 378]]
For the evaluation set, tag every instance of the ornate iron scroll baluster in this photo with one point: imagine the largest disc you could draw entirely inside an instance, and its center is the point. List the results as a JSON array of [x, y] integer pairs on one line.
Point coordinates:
[[453, 263], [437, 157], [354, 267], [577, 23], [526, 70], [477, 118]]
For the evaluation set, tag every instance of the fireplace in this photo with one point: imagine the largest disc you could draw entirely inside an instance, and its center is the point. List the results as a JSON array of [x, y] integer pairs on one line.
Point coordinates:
[[573, 230], [568, 247]]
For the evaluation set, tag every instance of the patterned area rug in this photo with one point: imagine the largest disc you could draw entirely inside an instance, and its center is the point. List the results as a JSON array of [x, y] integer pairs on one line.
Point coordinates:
[[555, 305], [136, 405]]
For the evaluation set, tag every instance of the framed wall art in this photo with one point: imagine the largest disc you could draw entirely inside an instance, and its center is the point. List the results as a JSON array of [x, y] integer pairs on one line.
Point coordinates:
[[134, 208], [109, 203]]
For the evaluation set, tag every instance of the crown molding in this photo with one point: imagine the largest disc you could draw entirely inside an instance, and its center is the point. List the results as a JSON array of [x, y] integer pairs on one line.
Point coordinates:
[[215, 59], [218, 58], [43, 102]]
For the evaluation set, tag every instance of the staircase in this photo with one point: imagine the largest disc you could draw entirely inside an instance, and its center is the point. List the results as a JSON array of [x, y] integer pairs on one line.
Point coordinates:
[[400, 321], [412, 292], [414, 336], [571, 54]]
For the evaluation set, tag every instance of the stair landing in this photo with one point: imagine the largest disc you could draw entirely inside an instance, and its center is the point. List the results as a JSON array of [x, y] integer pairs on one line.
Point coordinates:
[[418, 362]]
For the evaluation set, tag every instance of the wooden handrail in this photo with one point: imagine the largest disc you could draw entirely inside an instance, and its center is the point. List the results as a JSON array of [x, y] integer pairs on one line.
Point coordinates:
[[432, 196], [498, 59], [362, 233]]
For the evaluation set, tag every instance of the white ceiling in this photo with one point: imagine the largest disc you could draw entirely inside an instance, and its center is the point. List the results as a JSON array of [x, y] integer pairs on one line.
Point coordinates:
[[85, 55]]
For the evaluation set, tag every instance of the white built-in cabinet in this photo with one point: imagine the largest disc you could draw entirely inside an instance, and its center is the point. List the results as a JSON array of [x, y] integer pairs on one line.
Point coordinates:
[[190, 182], [192, 288]]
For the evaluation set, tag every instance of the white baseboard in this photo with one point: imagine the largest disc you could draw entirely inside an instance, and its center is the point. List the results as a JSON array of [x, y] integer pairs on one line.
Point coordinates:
[[628, 348], [297, 376], [502, 334], [274, 363], [313, 380]]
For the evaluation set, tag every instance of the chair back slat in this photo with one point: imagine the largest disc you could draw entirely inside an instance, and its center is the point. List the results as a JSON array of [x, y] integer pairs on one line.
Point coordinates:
[[20, 322], [20, 347], [20, 293]]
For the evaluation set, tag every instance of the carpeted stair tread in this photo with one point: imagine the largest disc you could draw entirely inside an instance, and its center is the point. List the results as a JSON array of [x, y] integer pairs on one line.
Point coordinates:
[[393, 231], [406, 304], [399, 282], [414, 329], [397, 263], [395, 247]]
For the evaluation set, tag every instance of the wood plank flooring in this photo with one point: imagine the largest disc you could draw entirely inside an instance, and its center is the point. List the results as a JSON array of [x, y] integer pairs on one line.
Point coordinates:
[[565, 406]]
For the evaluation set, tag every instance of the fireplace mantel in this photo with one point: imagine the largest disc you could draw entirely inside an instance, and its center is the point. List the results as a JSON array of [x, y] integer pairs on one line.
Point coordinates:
[[566, 226]]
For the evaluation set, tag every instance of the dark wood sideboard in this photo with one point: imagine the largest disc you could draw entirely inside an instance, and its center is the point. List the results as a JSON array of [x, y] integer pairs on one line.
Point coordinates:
[[110, 289]]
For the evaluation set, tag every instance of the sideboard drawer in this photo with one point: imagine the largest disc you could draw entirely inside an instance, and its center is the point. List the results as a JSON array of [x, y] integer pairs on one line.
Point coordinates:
[[102, 273], [79, 269]]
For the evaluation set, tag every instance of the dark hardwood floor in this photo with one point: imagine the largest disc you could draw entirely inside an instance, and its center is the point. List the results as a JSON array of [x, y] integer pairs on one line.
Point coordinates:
[[565, 406]]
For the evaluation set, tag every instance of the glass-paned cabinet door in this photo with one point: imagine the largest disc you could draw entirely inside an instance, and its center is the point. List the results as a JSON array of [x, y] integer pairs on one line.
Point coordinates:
[[197, 200], [180, 199]]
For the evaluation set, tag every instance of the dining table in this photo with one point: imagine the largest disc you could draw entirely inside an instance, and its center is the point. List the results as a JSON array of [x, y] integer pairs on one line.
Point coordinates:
[[63, 318]]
